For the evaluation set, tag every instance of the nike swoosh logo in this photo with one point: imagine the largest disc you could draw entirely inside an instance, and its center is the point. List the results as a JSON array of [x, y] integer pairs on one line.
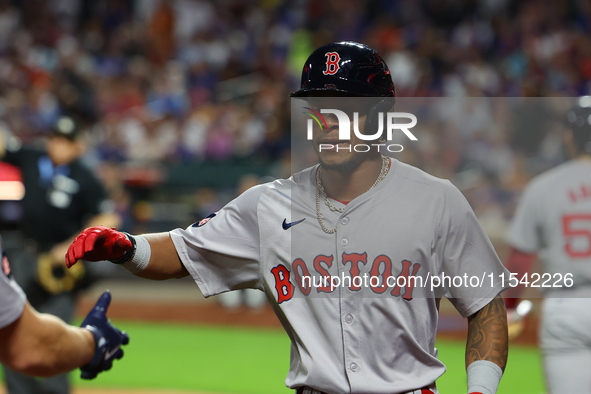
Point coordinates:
[[110, 354], [286, 225]]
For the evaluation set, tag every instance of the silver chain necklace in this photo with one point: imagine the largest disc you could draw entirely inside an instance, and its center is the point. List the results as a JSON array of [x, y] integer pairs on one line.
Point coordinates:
[[321, 192]]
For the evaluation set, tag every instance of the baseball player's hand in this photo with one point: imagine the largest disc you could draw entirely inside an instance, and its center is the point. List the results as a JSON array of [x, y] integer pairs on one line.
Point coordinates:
[[108, 338], [98, 243]]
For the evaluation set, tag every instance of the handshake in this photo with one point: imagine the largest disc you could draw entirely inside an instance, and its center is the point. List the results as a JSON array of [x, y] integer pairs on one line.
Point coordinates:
[[95, 244]]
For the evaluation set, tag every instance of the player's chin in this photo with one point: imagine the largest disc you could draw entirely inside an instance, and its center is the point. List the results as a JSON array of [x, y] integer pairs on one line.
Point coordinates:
[[340, 161]]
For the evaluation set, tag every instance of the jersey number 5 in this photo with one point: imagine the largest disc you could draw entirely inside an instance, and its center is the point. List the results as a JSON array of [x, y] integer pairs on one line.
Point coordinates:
[[577, 231]]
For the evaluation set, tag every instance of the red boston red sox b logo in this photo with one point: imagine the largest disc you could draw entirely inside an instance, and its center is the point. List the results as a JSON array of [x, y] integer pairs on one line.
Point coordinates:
[[204, 221], [332, 63]]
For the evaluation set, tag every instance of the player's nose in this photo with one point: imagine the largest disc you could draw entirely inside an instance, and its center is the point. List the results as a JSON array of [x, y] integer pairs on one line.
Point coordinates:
[[332, 122]]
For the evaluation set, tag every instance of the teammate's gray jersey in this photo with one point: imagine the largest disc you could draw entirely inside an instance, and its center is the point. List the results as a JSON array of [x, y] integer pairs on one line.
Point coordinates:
[[554, 218], [354, 337], [12, 298]]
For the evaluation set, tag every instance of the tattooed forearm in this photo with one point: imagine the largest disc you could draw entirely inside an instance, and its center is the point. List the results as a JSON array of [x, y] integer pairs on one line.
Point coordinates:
[[487, 334]]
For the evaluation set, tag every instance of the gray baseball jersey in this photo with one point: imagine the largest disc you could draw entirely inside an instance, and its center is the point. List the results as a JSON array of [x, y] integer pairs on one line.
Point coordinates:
[[12, 296], [354, 336], [554, 218]]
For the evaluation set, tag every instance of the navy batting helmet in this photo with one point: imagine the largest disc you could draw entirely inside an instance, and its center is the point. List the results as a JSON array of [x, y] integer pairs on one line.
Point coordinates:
[[346, 67], [578, 119]]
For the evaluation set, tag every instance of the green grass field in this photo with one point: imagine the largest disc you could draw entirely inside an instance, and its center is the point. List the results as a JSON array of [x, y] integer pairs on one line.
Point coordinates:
[[255, 361]]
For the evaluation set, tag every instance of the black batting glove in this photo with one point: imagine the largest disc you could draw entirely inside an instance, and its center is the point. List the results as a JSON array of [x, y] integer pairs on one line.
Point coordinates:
[[108, 338]]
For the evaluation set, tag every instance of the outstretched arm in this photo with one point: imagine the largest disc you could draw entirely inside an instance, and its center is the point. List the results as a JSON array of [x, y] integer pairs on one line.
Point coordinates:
[[40, 344], [164, 260], [34, 345], [150, 256]]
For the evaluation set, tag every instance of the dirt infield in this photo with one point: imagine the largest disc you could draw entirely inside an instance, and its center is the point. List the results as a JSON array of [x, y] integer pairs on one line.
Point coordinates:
[[188, 312], [451, 324], [179, 301]]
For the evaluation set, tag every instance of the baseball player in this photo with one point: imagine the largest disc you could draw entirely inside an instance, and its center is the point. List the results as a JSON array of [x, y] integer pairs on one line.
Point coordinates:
[[62, 196], [353, 216], [39, 344], [553, 218]]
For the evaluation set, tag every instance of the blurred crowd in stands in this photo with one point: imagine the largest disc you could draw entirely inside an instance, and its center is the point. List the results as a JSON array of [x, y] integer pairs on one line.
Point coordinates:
[[184, 81]]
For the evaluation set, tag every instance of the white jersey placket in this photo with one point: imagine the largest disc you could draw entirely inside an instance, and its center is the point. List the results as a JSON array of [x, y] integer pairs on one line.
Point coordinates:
[[349, 301]]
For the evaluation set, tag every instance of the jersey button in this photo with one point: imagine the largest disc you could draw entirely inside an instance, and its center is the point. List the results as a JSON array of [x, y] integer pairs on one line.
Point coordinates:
[[354, 367], [344, 242], [349, 319], [344, 221]]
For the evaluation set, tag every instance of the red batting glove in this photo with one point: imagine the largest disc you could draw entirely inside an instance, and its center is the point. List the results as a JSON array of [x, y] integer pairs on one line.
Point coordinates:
[[98, 243]]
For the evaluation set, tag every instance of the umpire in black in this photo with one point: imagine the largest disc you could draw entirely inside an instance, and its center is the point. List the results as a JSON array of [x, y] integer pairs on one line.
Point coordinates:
[[62, 197]]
